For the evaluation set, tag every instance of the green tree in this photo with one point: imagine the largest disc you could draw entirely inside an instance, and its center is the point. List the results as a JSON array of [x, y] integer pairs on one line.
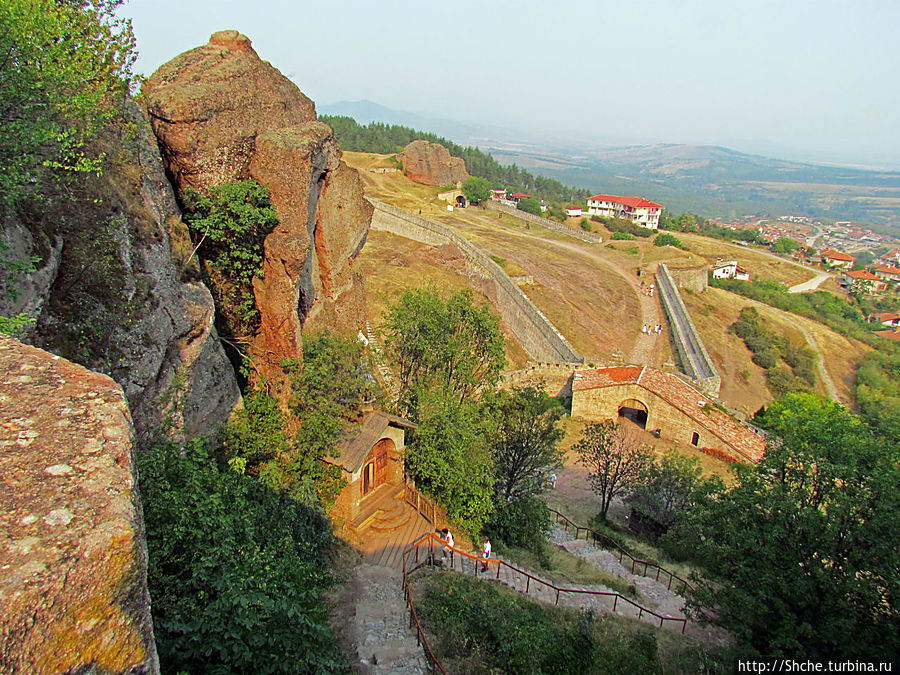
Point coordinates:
[[477, 189], [616, 462], [785, 245], [285, 451], [230, 224], [449, 458], [530, 205], [524, 441], [65, 71], [804, 548], [863, 260], [453, 345], [668, 490]]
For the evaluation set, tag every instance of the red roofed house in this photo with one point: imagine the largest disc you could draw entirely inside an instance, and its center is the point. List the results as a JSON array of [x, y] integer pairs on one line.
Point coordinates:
[[653, 399], [834, 258], [516, 196], [573, 211], [889, 334], [863, 281], [888, 273], [638, 210], [889, 319], [891, 257]]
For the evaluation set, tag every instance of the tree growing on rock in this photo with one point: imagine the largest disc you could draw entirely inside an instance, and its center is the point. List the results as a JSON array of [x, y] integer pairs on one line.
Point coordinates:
[[616, 461]]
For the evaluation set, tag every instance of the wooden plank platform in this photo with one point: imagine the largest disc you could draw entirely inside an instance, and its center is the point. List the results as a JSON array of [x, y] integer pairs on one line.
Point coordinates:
[[387, 548]]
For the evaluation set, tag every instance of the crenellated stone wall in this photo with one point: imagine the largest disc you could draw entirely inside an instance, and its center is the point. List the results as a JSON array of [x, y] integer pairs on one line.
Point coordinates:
[[73, 590], [535, 332]]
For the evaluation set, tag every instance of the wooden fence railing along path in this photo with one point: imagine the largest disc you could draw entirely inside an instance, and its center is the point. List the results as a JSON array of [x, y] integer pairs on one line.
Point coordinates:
[[435, 543], [610, 543]]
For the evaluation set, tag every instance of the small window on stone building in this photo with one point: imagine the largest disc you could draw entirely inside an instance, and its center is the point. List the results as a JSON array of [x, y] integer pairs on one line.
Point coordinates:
[[695, 438]]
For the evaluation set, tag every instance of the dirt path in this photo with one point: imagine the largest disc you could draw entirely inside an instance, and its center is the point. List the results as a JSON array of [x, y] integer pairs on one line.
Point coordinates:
[[810, 285]]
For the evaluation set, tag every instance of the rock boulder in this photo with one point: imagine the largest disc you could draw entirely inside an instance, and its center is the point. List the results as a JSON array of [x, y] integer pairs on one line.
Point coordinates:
[[431, 164], [222, 114], [73, 592]]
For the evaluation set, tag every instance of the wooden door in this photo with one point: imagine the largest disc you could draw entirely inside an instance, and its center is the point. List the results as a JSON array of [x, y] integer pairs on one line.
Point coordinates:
[[380, 455], [368, 483]]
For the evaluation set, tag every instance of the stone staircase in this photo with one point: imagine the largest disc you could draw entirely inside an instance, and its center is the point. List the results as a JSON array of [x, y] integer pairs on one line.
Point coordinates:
[[384, 643], [387, 377]]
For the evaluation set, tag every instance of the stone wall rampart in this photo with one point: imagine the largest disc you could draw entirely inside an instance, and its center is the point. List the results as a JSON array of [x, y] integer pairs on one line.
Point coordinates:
[[686, 340], [589, 237], [553, 378], [535, 332]]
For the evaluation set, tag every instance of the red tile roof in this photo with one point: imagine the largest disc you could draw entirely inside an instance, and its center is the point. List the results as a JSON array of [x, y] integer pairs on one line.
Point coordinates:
[[520, 195], [862, 275], [837, 255], [634, 202], [683, 396], [888, 269], [887, 316], [889, 334]]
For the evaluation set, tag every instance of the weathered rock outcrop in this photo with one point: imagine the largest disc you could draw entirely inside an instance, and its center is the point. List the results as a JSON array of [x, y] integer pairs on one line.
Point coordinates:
[[222, 114], [115, 290], [73, 592], [431, 164]]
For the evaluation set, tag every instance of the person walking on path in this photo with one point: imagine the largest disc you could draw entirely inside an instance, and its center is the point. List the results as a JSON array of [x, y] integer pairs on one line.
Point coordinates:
[[485, 553], [447, 549]]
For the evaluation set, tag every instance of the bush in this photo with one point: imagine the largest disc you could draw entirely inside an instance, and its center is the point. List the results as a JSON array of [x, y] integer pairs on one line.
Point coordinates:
[[765, 359], [530, 205], [622, 236], [235, 571], [524, 522], [490, 629], [666, 239]]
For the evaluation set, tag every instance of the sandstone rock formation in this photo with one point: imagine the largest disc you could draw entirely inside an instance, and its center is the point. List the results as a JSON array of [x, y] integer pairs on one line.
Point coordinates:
[[73, 592], [115, 291], [431, 164], [222, 114]]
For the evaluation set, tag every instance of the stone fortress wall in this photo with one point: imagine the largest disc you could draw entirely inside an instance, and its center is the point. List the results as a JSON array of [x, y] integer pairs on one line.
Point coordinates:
[[692, 277], [686, 342], [538, 336], [589, 237]]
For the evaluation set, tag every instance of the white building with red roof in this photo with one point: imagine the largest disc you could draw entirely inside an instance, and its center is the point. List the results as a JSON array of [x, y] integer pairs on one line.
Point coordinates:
[[638, 210], [888, 273], [863, 281]]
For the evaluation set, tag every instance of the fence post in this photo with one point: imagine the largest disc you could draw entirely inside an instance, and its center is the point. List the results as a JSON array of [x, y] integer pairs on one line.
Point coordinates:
[[498, 570], [615, 601], [557, 596]]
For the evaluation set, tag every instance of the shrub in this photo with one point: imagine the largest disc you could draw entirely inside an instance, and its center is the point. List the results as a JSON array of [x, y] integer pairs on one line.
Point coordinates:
[[524, 522], [765, 359], [235, 571], [529, 205], [622, 236], [666, 239]]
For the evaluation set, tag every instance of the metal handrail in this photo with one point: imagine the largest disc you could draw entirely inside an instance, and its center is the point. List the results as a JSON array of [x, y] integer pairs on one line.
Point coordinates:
[[431, 537], [635, 562]]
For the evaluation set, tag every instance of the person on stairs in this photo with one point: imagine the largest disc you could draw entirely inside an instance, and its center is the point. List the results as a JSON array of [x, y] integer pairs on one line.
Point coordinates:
[[447, 549], [485, 553]]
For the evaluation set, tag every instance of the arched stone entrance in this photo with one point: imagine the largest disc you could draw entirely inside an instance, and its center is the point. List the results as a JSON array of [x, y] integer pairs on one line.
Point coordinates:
[[461, 202], [635, 411]]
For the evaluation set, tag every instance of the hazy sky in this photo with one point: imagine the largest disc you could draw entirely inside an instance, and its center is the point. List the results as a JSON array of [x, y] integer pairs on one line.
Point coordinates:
[[799, 79]]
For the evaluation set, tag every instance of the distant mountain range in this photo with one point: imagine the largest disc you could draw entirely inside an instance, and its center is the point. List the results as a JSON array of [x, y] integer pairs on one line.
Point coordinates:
[[709, 180]]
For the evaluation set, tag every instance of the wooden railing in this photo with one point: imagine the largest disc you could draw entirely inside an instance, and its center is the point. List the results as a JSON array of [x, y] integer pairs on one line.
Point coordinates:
[[609, 543], [435, 543], [420, 502]]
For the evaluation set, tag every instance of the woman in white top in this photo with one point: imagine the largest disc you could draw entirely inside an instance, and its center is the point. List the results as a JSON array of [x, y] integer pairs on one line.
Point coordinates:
[[486, 553], [447, 550]]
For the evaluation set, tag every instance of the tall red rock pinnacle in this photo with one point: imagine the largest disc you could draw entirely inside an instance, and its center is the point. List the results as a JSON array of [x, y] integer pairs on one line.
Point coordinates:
[[221, 114]]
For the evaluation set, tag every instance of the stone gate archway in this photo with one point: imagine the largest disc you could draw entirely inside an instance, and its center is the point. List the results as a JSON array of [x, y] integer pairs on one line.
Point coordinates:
[[635, 411]]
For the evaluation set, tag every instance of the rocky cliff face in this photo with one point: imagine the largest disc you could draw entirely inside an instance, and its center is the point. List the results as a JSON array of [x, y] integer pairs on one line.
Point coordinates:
[[73, 592], [222, 114], [115, 291], [431, 164]]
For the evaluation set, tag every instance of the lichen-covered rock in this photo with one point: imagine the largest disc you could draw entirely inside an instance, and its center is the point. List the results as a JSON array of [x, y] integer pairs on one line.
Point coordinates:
[[222, 114], [431, 164], [73, 591]]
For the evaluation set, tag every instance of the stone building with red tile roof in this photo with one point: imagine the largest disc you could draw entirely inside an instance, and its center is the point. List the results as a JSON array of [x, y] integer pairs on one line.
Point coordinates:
[[657, 400]]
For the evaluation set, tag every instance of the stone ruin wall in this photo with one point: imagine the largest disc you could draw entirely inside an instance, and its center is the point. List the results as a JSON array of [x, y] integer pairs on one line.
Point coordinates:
[[694, 278], [537, 335], [554, 378], [73, 593]]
